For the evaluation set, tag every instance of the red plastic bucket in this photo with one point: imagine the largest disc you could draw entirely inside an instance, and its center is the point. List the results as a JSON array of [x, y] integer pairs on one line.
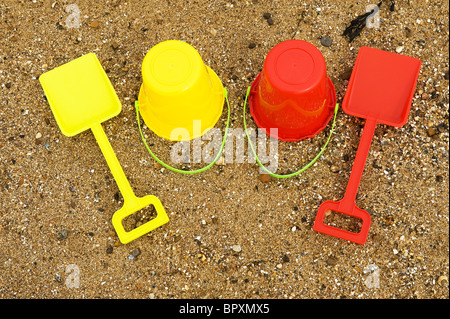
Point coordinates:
[[293, 92]]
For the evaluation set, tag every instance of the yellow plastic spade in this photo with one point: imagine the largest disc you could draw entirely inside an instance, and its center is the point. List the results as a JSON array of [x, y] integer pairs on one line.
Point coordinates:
[[82, 97]]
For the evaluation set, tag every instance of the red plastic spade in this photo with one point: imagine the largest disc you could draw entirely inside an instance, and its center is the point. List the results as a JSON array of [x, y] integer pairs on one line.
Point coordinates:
[[380, 90]]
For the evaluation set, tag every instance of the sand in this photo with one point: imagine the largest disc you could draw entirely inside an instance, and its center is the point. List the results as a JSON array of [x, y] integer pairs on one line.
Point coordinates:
[[230, 235]]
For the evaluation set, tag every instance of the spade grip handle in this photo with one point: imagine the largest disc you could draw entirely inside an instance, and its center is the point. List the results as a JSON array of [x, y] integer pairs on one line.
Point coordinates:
[[359, 163], [347, 205], [132, 203]]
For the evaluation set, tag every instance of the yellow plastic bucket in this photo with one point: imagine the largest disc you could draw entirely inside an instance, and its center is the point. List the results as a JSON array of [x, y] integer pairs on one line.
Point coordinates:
[[178, 90]]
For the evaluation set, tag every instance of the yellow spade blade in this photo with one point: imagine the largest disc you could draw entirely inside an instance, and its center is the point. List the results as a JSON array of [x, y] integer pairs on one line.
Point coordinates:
[[80, 94], [81, 97]]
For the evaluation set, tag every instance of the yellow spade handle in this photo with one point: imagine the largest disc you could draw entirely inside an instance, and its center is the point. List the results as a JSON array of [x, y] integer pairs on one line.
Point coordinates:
[[132, 203], [122, 182]]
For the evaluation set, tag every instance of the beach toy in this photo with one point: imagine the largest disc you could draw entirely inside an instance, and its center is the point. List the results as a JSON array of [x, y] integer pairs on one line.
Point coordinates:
[[180, 98], [380, 90], [81, 97], [293, 93], [178, 89]]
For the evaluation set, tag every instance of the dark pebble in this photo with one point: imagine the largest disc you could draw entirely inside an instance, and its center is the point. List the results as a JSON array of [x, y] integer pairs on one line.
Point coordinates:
[[286, 259], [347, 74], [332, 261], [409, 33], [431, 131], [8, 85], [446, 75], [270, 21], [326, 41], [442, 127], [115, 45], [109, 250], [267, 15], [392, 6], [439, 178], [252, 45], [136, 252], [63, 234]]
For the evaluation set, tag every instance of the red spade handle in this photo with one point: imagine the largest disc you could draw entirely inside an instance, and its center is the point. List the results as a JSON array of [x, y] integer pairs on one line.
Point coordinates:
[[358, 166], [347, 205]]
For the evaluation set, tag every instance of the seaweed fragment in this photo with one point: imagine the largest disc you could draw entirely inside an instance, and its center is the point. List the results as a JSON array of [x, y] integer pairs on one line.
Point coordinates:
[[359, 23]]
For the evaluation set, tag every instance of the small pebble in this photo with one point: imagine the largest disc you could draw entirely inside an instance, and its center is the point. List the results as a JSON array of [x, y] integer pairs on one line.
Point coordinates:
[[442, 127], [264, 178], [332, 261], [443, 281], [425, 96], [334, 169], [431, 131], [270, 21], [347, 74], [109, 250], [94, 24], [38, 135], [279, 266], [399, 49], [252, 45], [326, 41], [134, 254], [221, 161], [409, 33], [63, 234], [115, 45], [236, 248], [267, 15]]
